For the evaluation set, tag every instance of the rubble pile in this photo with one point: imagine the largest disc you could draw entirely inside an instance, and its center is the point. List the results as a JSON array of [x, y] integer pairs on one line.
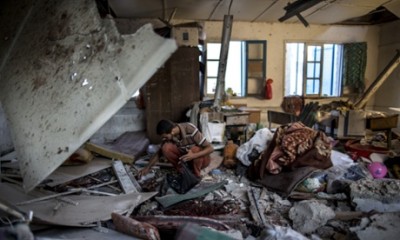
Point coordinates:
[[107, 197]]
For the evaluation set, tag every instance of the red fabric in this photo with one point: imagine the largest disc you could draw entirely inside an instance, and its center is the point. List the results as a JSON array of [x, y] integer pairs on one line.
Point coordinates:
[[172, 154]]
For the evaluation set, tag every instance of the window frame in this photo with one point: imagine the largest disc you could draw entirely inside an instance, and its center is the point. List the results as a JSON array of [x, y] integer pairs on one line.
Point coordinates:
[[244, 65], [247, 59], [306, 63], [321, 74]]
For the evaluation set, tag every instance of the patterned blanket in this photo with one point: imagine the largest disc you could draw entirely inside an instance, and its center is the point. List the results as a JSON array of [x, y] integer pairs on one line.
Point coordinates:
[[294, 146]]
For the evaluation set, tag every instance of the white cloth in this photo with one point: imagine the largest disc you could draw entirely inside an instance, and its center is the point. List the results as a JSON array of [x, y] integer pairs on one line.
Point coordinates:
[[258, 141]]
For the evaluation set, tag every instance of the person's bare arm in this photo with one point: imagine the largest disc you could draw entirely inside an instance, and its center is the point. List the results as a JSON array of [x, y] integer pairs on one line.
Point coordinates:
[[152, 161], [191, 155]]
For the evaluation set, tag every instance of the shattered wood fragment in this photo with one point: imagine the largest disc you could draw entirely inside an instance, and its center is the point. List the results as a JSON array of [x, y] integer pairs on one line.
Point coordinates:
[[174, 222], [104, 184], [255, 210], [66, 174], [11, 211], [56, 207], [134, 228], [49, 197], [98, 192], [108, 184], [71, 191], [123, 177], [67, 200], [133, 179], [125, 158], [11, 180]]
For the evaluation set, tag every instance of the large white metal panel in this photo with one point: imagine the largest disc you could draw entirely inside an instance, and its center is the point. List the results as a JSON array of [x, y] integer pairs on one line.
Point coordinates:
[[68, 72]]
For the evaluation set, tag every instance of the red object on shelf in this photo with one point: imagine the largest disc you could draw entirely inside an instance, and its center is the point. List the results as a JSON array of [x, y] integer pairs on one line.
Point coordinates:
[[356, 149], [268, 88]]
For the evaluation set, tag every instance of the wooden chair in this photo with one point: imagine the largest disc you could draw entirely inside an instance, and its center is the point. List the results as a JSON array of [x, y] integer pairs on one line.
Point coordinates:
[[280, 118]]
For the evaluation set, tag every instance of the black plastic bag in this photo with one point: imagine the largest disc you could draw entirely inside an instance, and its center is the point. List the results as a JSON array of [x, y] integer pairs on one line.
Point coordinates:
[[184, 181]]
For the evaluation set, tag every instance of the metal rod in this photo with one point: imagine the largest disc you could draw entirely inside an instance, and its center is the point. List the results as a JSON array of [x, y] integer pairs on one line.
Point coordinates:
[[226, 37], [11, 211], [103, 184], [49, 197]]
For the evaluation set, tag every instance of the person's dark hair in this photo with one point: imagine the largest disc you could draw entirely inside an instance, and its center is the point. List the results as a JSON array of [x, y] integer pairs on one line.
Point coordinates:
[[165, 126]]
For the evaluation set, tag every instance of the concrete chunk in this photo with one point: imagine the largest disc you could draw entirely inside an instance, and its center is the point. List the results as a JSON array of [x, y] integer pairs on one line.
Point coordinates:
[[381, 195], [307, 216], [67, 72]]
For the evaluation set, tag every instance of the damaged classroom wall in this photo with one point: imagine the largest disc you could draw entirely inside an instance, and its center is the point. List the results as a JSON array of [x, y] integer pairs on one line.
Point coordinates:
[[317, 189], [277, 34], [387, 98]]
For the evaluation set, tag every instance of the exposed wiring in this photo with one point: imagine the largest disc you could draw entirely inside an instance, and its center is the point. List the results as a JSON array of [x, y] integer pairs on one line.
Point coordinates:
[[230, 5], [265, 10]]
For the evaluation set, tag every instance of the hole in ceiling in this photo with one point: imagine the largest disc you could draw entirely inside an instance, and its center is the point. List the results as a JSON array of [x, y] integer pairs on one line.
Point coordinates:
[[377, 16]]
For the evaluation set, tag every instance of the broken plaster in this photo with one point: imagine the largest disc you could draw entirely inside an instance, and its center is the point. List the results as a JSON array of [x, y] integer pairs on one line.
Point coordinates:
[[61, 83]]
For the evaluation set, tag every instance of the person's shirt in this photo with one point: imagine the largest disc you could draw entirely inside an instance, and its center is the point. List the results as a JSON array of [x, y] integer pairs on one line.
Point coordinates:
[[190, 136]]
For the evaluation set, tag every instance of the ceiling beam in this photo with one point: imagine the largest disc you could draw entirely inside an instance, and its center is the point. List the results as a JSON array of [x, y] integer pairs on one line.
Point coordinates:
[[295, 8]]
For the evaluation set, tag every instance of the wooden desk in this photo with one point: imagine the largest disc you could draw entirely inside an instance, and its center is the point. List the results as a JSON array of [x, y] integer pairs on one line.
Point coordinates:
[[236, 118], [383, 124], [236, 125], [255, 114], [372, 123]]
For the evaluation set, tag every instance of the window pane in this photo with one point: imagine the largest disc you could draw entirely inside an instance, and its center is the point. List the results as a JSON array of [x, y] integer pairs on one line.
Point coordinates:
[[313, 70], [327, 70], [314, 53], [294, 69], [211, 85], [323, 69], [213, 50], [332, 66], [233, 75], [312, 86], [255, 69], [212, 68], [255, 50]]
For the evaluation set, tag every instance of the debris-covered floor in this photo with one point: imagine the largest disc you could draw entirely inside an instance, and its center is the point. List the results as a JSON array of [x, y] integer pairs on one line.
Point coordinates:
[[93, 196]]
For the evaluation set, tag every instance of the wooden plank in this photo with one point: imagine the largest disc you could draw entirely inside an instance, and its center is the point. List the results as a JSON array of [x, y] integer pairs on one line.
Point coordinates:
[[109, 153], [133, 179], [256, 212], [65, 174], [123, 177]]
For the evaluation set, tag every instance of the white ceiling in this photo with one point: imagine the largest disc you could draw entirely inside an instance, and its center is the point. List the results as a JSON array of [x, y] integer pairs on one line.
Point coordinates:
[[325, 12]]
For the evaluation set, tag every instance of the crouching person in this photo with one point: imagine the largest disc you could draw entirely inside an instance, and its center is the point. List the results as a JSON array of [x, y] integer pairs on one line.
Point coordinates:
[[181, 142]]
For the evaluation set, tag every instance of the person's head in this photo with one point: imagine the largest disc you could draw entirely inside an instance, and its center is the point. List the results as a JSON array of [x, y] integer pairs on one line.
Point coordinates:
[[165, 129]]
